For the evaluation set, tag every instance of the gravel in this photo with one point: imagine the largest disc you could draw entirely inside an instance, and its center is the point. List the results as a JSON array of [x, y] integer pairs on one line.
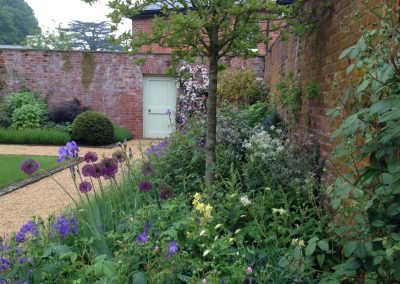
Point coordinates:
[[45, 196]]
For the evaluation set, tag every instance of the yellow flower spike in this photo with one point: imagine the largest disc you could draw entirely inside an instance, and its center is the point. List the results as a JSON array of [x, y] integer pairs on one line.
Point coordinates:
[[200, 207]]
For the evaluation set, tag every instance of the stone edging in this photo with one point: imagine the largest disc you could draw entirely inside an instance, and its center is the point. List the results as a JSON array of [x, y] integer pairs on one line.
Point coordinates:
[[18, 185]]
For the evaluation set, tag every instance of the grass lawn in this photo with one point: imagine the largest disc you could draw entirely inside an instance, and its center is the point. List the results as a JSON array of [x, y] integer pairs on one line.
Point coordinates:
[[10, 167]]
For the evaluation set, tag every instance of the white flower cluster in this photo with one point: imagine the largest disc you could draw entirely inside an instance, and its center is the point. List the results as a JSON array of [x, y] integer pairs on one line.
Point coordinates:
[[263, 146], [192, 81]]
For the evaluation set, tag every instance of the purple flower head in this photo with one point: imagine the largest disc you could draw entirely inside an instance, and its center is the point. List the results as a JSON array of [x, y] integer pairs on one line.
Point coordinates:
[[62, 226], [119, 156], [142, 238], [110, 167], [145, 186], [146, 227], [201, 142], [97, 171], [222, 281], [29, 166], [172, 249], [73, 222], [72, 149], [157, 149], [165, 192], [91, 157], [4, 264], [87, 170], [85, 186], [147, 169], [29, 228], [168, 111], [62, 154]]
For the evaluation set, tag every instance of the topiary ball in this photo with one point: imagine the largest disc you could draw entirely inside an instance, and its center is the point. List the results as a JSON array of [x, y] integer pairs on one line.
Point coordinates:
[[92, 128]]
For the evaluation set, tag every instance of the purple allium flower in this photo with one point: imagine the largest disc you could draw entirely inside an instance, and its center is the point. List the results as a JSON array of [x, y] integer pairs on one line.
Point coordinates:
[[172, 248], [91, 157], [165, 191], [119, 156], [87, 170], [147, 168], [145, 186], [97, 171], [142, 238], [85, 186], [168, 111], [62, 226], [29, 166], [110, 167], [29, 228], [222, 281]]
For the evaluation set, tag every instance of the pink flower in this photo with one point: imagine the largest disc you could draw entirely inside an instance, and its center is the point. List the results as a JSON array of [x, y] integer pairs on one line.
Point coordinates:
[[249, 270], [204, 281]]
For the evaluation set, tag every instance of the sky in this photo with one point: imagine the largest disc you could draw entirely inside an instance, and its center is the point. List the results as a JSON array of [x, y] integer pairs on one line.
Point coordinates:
[[51, 13]]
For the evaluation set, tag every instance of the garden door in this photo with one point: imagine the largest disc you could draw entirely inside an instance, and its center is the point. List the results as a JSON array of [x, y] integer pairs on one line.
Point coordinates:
[[159, 104]]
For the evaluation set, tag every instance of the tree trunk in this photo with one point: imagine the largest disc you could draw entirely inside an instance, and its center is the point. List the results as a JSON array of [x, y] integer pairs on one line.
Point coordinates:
[[211, 118]]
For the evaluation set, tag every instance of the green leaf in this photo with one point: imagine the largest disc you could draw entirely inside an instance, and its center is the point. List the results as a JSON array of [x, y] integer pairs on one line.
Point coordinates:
[[184, 278], [345, 52], [139, 278], [378, 223], [378, 259], [393, 209], [321, 259], [324, 245], [350, 247], [350, 68], [310, 248], [352, 264]]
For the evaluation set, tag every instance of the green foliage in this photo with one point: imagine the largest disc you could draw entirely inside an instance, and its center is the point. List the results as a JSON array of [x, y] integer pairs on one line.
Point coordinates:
[[93, 128], [29, 116], [17, 20], [289, 95], [239, 86], [312, 91], [33, 136], [121, 134], [5, 120], [367, 195], [17, 100], [48, 40]]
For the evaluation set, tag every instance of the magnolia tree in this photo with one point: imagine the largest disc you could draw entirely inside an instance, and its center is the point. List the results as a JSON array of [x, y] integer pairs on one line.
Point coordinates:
[[210, 29]]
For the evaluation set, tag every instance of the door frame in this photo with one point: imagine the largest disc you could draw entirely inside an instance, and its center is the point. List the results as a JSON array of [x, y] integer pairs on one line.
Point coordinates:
[[144, 100]]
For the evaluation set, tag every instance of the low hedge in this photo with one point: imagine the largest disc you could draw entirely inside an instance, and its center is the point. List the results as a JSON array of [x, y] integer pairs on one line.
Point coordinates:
[[33, 136]]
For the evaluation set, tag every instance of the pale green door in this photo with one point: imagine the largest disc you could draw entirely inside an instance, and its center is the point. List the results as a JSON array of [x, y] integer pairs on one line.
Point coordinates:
[[159, 96]]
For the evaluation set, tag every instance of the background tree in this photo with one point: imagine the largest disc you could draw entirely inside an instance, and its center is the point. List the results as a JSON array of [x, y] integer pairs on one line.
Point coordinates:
[[57, 40], [17, 20], [206, 28], [90, 36]]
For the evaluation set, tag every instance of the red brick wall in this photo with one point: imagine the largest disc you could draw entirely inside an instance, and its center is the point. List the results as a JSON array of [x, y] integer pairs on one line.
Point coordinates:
[[144, 25], [315, 59], [115, 86]]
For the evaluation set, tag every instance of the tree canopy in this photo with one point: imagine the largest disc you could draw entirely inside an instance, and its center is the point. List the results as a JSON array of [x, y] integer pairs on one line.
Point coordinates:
[[90, 36], [77, 35], [17, 21]]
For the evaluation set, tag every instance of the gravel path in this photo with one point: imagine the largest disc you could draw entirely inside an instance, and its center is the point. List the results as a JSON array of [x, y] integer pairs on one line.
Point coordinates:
[[44, 197]]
